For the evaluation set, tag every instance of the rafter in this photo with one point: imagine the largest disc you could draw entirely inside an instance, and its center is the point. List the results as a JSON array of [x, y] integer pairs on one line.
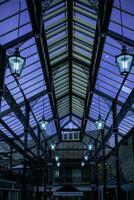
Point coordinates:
[[105, 8], [10, 142], [124, 139], [118, 37], [16, 137], [16, 109], [70, 48], [95, 139], [31, 99], [125, 108], [107, 97], [62, 61], [35, 12], [22, 39]]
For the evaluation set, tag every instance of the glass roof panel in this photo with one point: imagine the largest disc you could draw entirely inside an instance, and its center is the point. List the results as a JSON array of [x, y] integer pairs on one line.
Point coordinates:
[[54, 19], [40, 105], [54, 8], [116, 23], [12, 121], [51, 129], [76, 120], [9, 15], [70, 125], [111, 82], [69, 69], [64, 120]]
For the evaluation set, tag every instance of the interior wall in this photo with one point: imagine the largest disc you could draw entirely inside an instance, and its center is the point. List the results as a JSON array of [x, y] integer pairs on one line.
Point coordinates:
[[126, 158]]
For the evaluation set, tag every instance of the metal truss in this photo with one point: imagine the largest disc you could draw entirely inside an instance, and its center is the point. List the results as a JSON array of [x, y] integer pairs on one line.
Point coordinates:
[[125, 108], [16, 109], [70, 48], [35, 11], [104, 10]]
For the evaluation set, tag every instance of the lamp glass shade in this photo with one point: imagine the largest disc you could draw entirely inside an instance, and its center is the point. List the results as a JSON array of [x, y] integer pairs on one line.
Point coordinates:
[[124, 62], [90, 147], [16, 63], [57, 158], [86, 157], [100, 124], [52, 146], [82, 163], [43, 124], [58, 164]]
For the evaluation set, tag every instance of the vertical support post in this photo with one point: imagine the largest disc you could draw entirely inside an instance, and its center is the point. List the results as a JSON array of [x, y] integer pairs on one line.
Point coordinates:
[[133, 145], [115, 130], [38, 164], [96, 173], [27, 112], [90, 153], [44, 184], [11, 157], [91, 174], [3, 63], [104, 166], [45, 170]]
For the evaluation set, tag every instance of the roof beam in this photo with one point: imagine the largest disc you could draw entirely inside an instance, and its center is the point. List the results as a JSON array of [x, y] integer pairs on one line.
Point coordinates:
[[125, 108], [124, 139], [73, 94], [119, 37], [105, 8], [80, 62], [107, 127], [31, 99], [57, 64], [70, 48], [64, 60], [70, 149], [16, 137], [46, 5], [70, 129], [106, 96], [16, 109], [35, 12], [39, 95], [10, 142], [89, 118], [90, 136], [6, 93], [22, 39]]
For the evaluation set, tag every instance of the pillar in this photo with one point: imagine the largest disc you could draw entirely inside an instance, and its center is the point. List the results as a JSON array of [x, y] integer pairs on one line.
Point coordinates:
[[3, 63], [27, 112], [115, 131], [104, 166]]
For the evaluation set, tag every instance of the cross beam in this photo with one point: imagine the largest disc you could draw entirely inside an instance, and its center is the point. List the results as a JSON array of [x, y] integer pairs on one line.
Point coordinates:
[[22, 39], [119, 37]]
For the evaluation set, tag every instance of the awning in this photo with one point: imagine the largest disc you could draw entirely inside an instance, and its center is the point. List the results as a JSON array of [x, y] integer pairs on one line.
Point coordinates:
[[68, 190]]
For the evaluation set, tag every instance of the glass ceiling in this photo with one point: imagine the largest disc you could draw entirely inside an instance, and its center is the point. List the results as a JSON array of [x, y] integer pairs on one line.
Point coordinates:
[[70, 40], [110, 84]]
